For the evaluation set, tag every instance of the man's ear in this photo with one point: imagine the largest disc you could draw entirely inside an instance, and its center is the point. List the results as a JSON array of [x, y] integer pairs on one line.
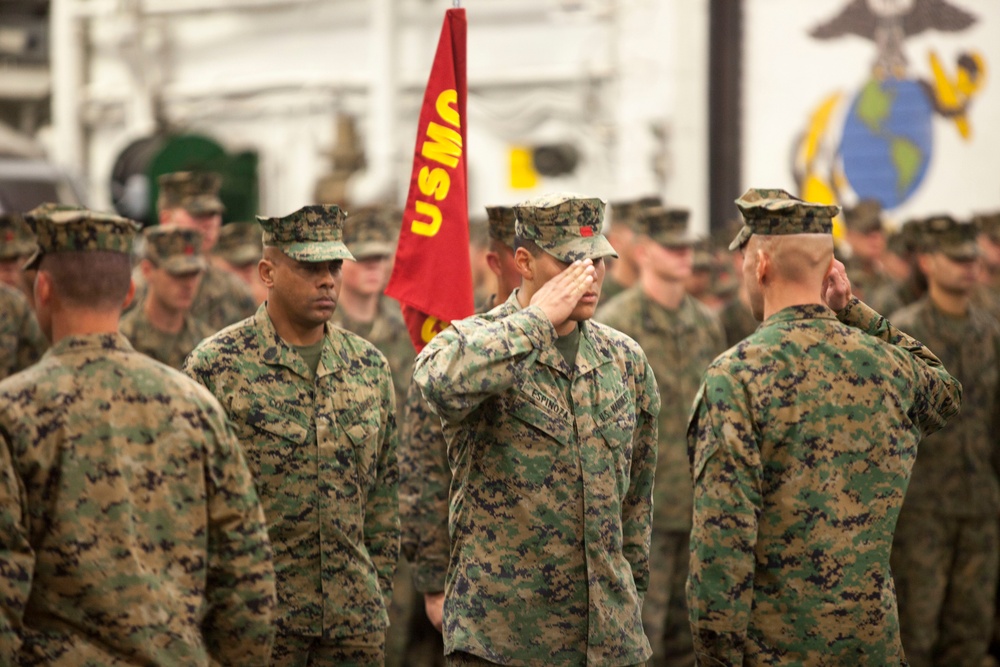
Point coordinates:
[[43, 288], [763, 270], [525, 263], [493, 261], [129, 295], [265, 269]]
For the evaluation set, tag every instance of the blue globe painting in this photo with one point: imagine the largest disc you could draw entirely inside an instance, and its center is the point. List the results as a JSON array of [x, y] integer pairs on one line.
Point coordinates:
[[887, 140]]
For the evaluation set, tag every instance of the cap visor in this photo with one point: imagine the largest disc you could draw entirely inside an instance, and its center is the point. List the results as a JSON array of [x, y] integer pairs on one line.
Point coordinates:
[[375, 249], [318, 251], [741, 238], [177, 266]]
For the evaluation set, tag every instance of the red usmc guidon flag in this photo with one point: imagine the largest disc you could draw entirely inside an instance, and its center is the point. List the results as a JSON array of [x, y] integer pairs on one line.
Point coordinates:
[[432, 277]]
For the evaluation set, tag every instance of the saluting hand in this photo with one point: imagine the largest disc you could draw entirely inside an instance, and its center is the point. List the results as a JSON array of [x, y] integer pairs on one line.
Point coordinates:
[[558, 297], [837, 287]]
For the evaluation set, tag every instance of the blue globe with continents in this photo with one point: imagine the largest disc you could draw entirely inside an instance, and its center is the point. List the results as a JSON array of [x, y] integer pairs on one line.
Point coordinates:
[[887, 141]]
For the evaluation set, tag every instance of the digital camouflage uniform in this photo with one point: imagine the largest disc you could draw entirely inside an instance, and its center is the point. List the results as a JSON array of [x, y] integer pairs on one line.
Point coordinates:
[[425, 475], [178, 251], [802, 440], [553, 470], [21, 341], [240, 243], [130, 530], [945, 552], [222, 298], [680, 344], [625, 214], [17, 243], [322, 451]]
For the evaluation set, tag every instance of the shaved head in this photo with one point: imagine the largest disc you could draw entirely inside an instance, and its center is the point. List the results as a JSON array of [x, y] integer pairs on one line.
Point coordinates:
[[799, 258]]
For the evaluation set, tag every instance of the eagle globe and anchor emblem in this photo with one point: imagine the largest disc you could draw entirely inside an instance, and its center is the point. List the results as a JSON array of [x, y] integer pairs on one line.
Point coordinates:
[[886, 137]]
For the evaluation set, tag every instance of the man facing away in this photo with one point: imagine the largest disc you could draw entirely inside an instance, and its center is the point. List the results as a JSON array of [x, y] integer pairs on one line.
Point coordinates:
[[130, 529], [802, 440], [314, 410], [551, 427]]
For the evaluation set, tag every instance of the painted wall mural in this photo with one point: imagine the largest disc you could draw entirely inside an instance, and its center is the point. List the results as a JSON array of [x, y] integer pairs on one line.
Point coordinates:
[[877, 141]]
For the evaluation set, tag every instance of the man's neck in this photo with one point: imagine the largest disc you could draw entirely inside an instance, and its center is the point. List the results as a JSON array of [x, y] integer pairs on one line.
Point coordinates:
[[955, 304], [80, 322], [667, 293], [293, 333], [167, 320], [781, 295], [359, 307]]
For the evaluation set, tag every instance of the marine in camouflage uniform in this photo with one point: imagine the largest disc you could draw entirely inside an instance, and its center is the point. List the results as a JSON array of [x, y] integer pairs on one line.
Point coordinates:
[[680, 337], [314, 411], [987, 294], [21, 341], [551, 426], [424, 471], [130, 530], [191, 200], [866, 237], [173, 258], [802, 440], [946, 549]]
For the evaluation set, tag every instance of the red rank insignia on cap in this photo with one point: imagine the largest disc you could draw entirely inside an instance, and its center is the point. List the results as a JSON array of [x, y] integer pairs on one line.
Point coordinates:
[[9, 236], [189, 250], [586, 231]]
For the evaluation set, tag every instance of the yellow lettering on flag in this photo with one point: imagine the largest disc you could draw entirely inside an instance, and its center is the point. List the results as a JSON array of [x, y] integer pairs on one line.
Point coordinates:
[[443, 145], [427, 228], [432, 326], [434, 182]]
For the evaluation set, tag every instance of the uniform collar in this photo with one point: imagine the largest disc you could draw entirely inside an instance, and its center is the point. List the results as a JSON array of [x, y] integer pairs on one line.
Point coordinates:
[[810, 311], [276, 352], [106, 342]]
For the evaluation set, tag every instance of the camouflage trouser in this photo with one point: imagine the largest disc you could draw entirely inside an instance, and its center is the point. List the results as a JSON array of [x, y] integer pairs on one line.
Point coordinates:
[[945, 569], [299, 651], [664, 609]]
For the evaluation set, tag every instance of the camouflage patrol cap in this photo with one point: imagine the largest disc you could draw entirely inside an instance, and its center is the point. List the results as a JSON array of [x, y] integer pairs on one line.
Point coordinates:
[[310, 234], [989, 224], [195, 192], [864, 217], [501, 222], [776, 212], [956, 240], [626, 212], [177, 251], [60, 228], [666, 226], [240, 243], [371, 231], [567, 226], [16, 237]]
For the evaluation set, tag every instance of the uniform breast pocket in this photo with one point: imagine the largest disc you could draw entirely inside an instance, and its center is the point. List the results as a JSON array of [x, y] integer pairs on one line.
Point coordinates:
[[273, 443], [362, 430], [531, 439]]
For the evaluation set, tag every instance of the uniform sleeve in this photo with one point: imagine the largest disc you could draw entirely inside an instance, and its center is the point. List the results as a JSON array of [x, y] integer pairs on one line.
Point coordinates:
[[425, 481], [240, 590], [474, 359], [727, 473], [17, 559], [637, 509], [381, 529], [939, 394]]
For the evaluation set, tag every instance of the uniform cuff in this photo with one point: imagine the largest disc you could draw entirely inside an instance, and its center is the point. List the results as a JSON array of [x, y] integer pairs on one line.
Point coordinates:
[[859, 315]]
